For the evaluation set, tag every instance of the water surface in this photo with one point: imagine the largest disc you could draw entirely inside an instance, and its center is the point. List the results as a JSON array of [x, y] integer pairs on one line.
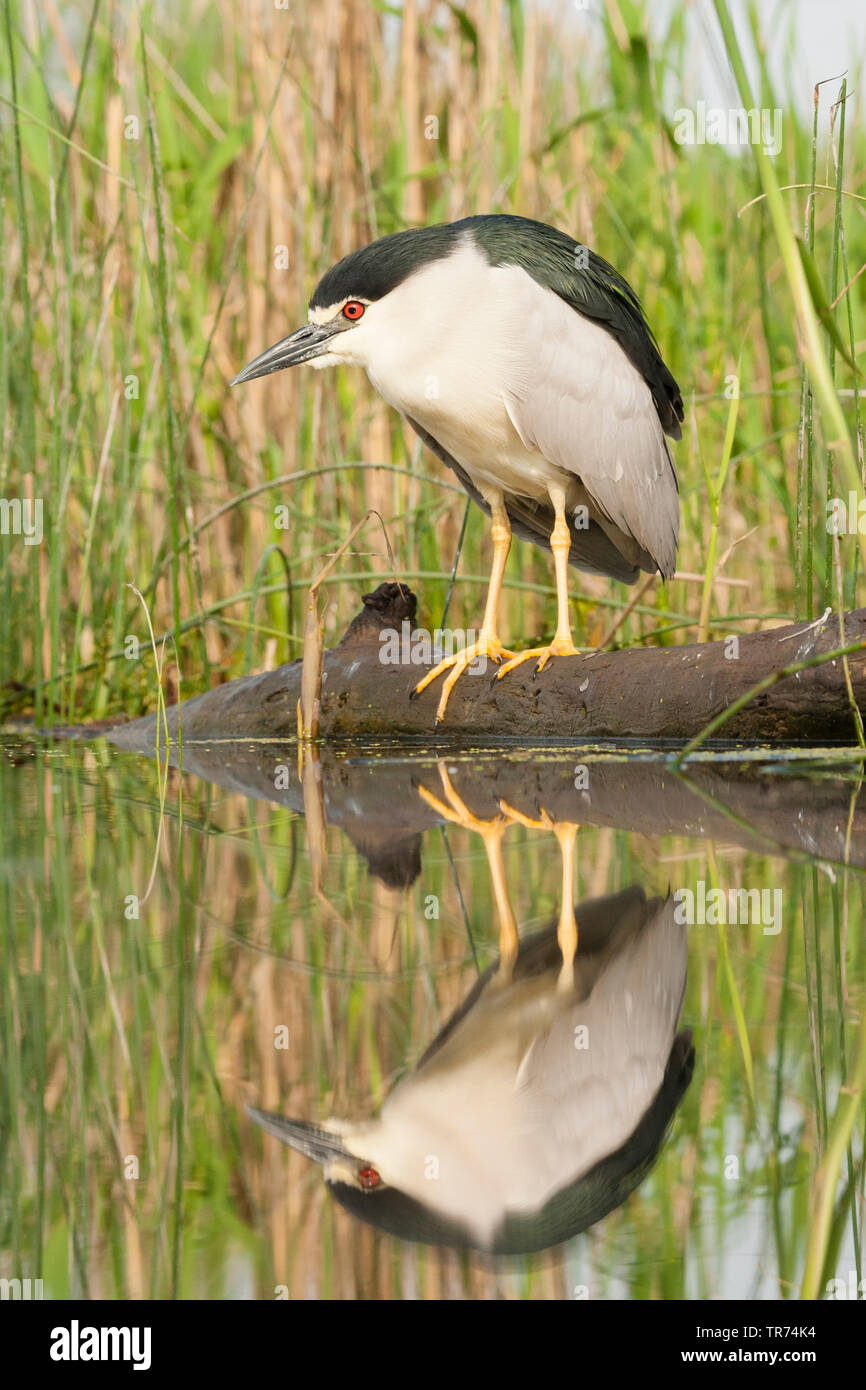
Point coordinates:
[[180, 945]]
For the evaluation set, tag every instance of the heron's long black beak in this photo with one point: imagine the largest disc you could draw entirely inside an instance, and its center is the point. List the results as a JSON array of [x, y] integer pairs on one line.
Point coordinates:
[[318, 1144], [308, 342]]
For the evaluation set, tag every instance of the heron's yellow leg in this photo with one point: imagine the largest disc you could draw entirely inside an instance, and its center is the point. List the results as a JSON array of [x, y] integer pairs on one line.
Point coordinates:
[[491, 832], [509, 939], [488, 645], [566, 931], [562, 645]]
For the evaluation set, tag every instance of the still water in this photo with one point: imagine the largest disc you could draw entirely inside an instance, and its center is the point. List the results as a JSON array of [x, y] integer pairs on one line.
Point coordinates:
[[548, 1025]]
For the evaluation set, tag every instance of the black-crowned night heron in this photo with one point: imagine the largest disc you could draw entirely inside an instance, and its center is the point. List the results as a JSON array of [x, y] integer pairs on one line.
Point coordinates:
[[534, 1112], [525, 363]]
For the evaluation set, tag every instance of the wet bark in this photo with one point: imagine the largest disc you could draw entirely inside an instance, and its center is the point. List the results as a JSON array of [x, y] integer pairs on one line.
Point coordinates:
[[649, 694]]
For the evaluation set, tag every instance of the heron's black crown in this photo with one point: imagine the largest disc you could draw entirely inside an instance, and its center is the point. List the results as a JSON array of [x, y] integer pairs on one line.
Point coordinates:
[[375, 270]]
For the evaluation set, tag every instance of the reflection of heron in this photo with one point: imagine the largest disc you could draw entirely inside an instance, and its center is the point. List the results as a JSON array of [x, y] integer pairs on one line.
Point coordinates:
[[543, 1101]]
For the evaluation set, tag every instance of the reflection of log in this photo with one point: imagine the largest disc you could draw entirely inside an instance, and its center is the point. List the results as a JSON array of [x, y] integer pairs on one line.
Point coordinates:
[[648, 693], [376, 801]]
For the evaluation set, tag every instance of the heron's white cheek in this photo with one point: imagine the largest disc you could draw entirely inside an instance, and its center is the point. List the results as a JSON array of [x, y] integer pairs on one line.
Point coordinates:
[[349, 350]]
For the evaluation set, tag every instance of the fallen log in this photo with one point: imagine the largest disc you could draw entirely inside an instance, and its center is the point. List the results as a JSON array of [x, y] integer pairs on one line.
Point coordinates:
[[650, 694]]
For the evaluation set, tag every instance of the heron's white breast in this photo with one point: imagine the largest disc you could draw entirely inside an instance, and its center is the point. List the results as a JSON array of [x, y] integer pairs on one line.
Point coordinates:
[[444, 348]]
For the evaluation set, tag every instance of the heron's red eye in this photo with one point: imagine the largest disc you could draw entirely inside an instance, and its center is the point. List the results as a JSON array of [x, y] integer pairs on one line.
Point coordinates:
[[353, 310], [368, 1177]]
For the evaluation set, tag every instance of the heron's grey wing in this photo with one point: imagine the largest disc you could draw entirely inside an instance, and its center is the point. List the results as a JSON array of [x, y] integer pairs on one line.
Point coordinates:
[[579, 400], [592, 550], [592, 287], [600, 918], [594, 1086]]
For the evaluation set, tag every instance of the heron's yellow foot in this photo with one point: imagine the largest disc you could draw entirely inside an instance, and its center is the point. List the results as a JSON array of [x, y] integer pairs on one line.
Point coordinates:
[[456, 809], [560, 646], [517, 817], [488, 646]]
